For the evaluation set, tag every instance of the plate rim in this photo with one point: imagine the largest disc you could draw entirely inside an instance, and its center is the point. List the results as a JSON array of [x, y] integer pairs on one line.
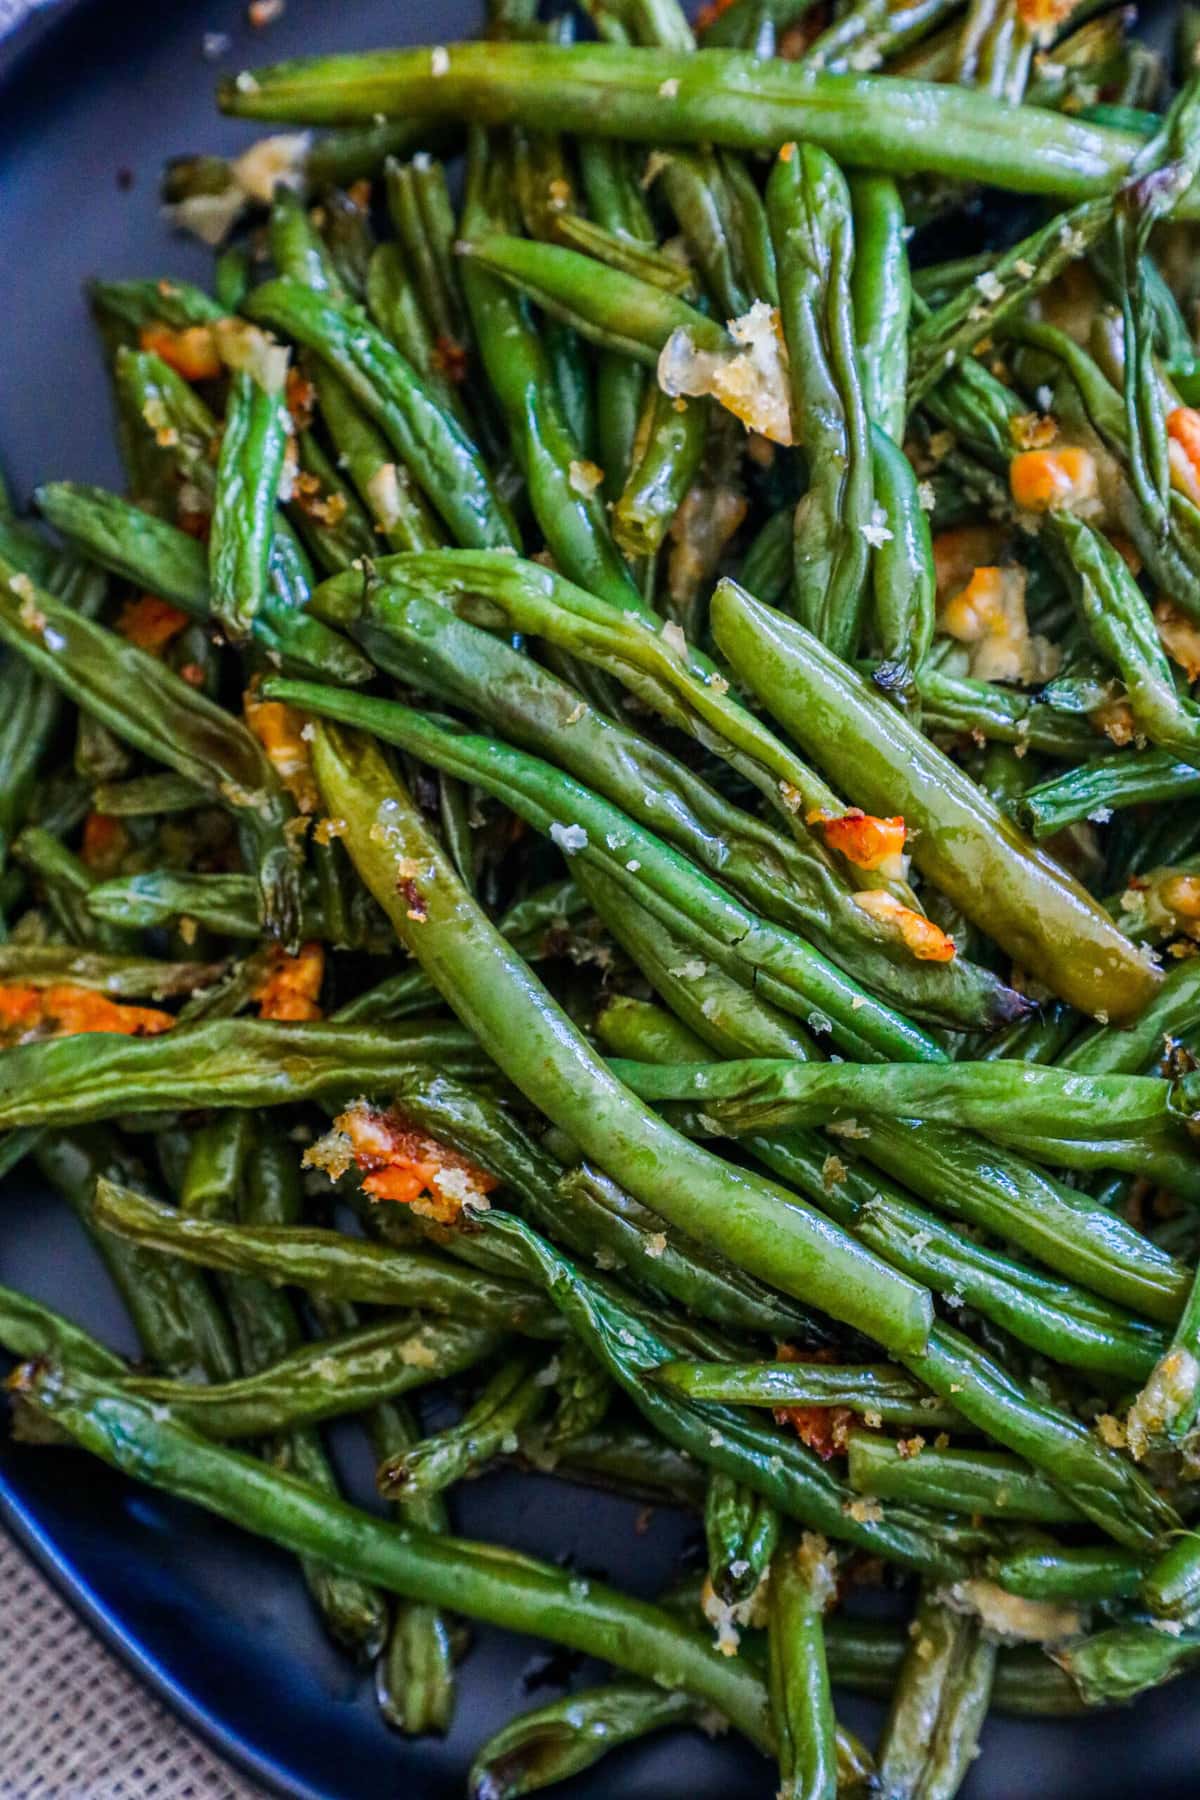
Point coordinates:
[[24, 46]]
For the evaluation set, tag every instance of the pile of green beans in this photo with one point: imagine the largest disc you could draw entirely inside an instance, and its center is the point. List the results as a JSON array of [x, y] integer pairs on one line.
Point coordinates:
[[600, 866]]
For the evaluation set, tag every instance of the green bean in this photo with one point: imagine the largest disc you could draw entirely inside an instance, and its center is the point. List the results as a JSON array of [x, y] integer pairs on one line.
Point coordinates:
[[995, 1190], [1091, 1476], [592, 1213], [1118, 1664], [767, 564], [253, 447], [667, 454], [865, 1388], [902, 576], [1132, 778], [1037, 912], [622, 1460], [296, 246], [1014, 1102], [31, 1331], [781, 1469], [323, 1262], [269, 1194], [31, 709], [871, 33], [692, 183], [414, 1677], [562, 489], [149, 707], [1166, 1407], [492, 1585], [703, 996], [882, 300], [786, 969], [866, 1657], [1122, 625], [1083, 1575], [616, 311], [900, 127], [228, 904], [423, 219], [247, 1062], [325, 1379], [346, 231], [956, 703], [808, 205], [166, 561], [215, 1167], [594, 1216], [67, 885], [738, 25], [390, 492], [938, 1706], [442, 459], [675, 1178], [130, 305], [802, 1585], [967, 1481], [741, 1530], [793, 883], [512, 1398], [395, 307], [984, 305], [1053, 1317], [174, 1312], [551, 1743], [326, 512]]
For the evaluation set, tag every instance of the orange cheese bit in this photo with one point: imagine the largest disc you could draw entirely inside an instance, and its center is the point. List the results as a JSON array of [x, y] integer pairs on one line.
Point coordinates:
[[1115, 719], [822, 1428], [926, 940], [66, 1011], [959, 552], [401, 1164], [710, 13], [1127, 551], [300, 397], [20, 1011], [1043, 17], [450, 359], [292, 984], [988, 614], [1033, 431], [1183, 448], [1065, 480], [151, 623], [704, 524], [279, 728], [326, 509], [105, 841], [1180, 894], [1180, 638], [863, 839], [191, 351]]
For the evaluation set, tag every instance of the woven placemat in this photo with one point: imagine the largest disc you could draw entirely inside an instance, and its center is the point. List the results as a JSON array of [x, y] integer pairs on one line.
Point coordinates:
[[74, 1723]]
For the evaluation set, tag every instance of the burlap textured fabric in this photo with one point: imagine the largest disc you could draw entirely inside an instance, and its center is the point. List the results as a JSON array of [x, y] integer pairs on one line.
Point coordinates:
[[74, 1724]]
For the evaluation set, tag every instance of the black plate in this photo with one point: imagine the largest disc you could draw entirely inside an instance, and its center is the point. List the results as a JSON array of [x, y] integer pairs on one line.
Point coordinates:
[[93, 98]]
